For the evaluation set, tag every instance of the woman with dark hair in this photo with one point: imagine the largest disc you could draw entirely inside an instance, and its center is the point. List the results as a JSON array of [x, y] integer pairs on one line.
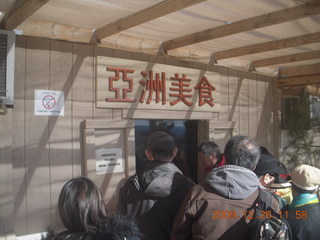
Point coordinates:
[[83, 212]]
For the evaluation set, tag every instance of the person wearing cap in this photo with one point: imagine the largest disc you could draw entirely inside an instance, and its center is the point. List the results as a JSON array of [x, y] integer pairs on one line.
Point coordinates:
[[270, 171], [210, 155], [154, 195], [304, 212], [216, 209]]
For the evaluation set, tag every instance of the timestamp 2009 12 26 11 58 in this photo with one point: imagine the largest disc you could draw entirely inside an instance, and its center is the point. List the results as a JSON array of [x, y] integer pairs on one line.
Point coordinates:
[[263, 215]]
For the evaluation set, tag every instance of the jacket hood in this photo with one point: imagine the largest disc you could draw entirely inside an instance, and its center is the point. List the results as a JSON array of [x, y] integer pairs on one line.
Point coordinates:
[[233, 182], [157, 178]]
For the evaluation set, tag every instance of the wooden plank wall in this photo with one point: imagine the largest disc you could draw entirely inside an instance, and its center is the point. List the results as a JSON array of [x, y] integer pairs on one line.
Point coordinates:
[[251, 101], [6, 184], [46, 151]]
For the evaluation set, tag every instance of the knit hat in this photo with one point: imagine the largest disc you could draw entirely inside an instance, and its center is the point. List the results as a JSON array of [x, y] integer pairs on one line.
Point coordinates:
[[268, 164], [306, 177], [160, 143]]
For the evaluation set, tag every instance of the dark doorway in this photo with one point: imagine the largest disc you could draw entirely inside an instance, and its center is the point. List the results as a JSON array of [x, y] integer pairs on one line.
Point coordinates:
[[185, 134]]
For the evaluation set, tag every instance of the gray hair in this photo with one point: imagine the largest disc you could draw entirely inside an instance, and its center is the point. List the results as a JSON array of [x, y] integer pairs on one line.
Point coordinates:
[[242, 151]]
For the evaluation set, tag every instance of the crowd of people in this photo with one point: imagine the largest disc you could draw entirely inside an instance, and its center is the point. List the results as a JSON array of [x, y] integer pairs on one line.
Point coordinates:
[[161, 203]]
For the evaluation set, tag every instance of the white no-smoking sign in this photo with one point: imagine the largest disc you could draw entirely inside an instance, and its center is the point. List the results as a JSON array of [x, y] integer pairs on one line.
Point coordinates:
[[49, 103]]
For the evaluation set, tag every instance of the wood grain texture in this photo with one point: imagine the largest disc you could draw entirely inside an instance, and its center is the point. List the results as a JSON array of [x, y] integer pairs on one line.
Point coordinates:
[[60, 141], [19, 12], [298, 80], [268, 46], [38, 201], [19, 138], [286, 59], [145, 15], [289, 14], [6, 189], [300, 70], [261, 112]]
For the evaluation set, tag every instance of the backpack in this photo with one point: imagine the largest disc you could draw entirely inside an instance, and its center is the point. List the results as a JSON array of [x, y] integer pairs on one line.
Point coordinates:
[[266, 223]]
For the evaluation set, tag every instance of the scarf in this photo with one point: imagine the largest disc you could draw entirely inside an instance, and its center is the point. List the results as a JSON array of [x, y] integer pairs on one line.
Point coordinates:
[[303, 199]]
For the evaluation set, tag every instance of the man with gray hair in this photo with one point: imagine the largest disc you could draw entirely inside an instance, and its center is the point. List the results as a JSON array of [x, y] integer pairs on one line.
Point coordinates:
[[218, 208]]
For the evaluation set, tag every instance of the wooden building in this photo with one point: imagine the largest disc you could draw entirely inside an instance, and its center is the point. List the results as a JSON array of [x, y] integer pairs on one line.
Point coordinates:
[[78, 93]]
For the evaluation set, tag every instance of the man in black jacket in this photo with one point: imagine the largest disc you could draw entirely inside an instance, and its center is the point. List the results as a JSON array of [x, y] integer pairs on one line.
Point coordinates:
[[155, 195]]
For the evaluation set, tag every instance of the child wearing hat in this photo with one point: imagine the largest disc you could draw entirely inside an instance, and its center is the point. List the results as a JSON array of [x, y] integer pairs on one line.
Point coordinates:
[[304, 212]]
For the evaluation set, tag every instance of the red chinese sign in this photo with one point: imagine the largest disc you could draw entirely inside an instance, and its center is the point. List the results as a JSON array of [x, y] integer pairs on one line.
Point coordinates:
[[124, 74], [153, 84], [205, 92], [168, 86], [181, 86]]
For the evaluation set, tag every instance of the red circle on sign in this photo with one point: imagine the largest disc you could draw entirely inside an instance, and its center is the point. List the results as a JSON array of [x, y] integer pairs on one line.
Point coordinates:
[[49, 102]]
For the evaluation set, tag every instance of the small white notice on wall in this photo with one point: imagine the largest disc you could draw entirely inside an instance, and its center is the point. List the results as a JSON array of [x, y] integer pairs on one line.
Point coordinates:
[[48, 103], [109, 161]]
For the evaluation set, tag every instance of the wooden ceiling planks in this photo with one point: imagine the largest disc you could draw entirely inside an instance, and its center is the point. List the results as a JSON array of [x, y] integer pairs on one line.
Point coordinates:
[[281, 16], [20, 12], [148, 14], [285, 59], [291, 25], [269, 46], [298, 81], [300, 70]]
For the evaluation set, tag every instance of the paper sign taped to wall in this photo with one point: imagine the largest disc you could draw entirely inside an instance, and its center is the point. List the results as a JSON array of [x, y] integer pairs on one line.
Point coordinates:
[[48, 103], [109, 161]]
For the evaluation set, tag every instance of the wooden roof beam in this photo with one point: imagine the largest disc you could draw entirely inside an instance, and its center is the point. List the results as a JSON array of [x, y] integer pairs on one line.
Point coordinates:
[[281, 16], [148, 14], [285, 59], [300, 70], [5, 5], [20, 12], [52, 30], [269, 46], [298, 81], [290, 92]]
